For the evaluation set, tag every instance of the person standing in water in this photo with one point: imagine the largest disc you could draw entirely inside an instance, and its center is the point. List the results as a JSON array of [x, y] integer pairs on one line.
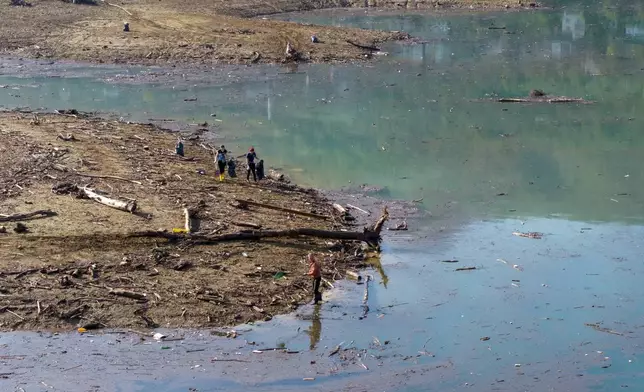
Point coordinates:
[[315, 272], [221, 162], [250, 164]]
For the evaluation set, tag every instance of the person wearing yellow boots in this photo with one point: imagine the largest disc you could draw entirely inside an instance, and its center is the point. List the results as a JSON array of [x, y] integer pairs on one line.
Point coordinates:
[[221, 163]]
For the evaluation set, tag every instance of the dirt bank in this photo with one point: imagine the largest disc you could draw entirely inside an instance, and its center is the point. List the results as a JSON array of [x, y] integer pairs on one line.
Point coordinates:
[[81, 264], [197, 33]]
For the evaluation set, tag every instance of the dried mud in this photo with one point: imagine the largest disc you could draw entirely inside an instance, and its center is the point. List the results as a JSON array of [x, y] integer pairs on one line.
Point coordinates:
[[70, 270]]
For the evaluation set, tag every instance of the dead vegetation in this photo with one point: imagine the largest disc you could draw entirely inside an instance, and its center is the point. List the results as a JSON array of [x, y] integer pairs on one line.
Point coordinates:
[[82, 263]]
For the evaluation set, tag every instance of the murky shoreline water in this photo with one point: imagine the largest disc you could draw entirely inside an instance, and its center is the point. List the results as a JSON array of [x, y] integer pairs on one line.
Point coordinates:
[[561, 312]]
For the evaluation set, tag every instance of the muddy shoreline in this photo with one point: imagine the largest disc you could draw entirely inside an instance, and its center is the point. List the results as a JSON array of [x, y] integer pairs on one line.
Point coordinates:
[[207, 34], [69, 269]]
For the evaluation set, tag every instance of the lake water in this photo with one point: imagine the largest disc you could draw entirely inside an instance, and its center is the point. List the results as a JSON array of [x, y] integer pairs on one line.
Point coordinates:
[[420, 124]]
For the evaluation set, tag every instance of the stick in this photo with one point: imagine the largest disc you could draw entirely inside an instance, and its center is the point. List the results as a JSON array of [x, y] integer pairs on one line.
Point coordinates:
[[28, 216], [377, 227], [129, 206], [188, 224], [328, 283], [272, 207], [128, 294], [38, 305], [15, 314], [359, 209], [247, 224], [110, 177], [118, 6], [372, 48], [465, 269]]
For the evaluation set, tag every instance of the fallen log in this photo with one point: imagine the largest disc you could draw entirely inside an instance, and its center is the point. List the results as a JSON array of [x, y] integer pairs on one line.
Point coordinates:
[[129, 206], [27, 216], [283, 209], [372, 48], [369, 235], [366, 236]]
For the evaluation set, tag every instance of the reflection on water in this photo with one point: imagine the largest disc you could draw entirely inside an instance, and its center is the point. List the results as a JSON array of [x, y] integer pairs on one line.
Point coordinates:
[[418, 124], [315, 330]]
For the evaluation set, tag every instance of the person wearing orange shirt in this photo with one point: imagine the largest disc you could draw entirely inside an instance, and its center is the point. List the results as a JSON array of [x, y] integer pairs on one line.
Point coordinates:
[[315, 272]]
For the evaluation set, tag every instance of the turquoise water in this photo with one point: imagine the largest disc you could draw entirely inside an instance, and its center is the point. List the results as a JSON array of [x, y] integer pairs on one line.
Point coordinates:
[[419, 123]]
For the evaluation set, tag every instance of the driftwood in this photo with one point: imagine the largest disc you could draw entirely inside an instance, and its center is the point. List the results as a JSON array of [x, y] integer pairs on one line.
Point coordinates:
[[110, 177], [128, 294], [68, 138], [372, 48], [465, 269], [277, 208], [366, 236], [28, 216], [353, 275], [599, 328], [276, 176], [542, 99], [359, 209], [370, 235], [339, 208], [129, 206], [247, 224], [123, 9], [188, 224]]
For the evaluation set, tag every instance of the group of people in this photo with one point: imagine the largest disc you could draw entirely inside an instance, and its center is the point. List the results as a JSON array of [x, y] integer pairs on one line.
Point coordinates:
[[222, 161], [256, 169]]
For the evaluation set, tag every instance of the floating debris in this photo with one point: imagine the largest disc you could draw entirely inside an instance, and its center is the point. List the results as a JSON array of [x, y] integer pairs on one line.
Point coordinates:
[[533, 235]]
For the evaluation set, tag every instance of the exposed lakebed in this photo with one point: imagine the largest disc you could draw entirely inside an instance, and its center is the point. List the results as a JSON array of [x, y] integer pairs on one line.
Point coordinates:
[[416, 124]]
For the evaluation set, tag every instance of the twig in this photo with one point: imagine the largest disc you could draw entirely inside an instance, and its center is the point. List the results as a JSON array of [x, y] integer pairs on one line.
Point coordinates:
[[38, 305], [227, 360], [118, 6], [15, 314], [75, 367], [359, 209], [328, 283]]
